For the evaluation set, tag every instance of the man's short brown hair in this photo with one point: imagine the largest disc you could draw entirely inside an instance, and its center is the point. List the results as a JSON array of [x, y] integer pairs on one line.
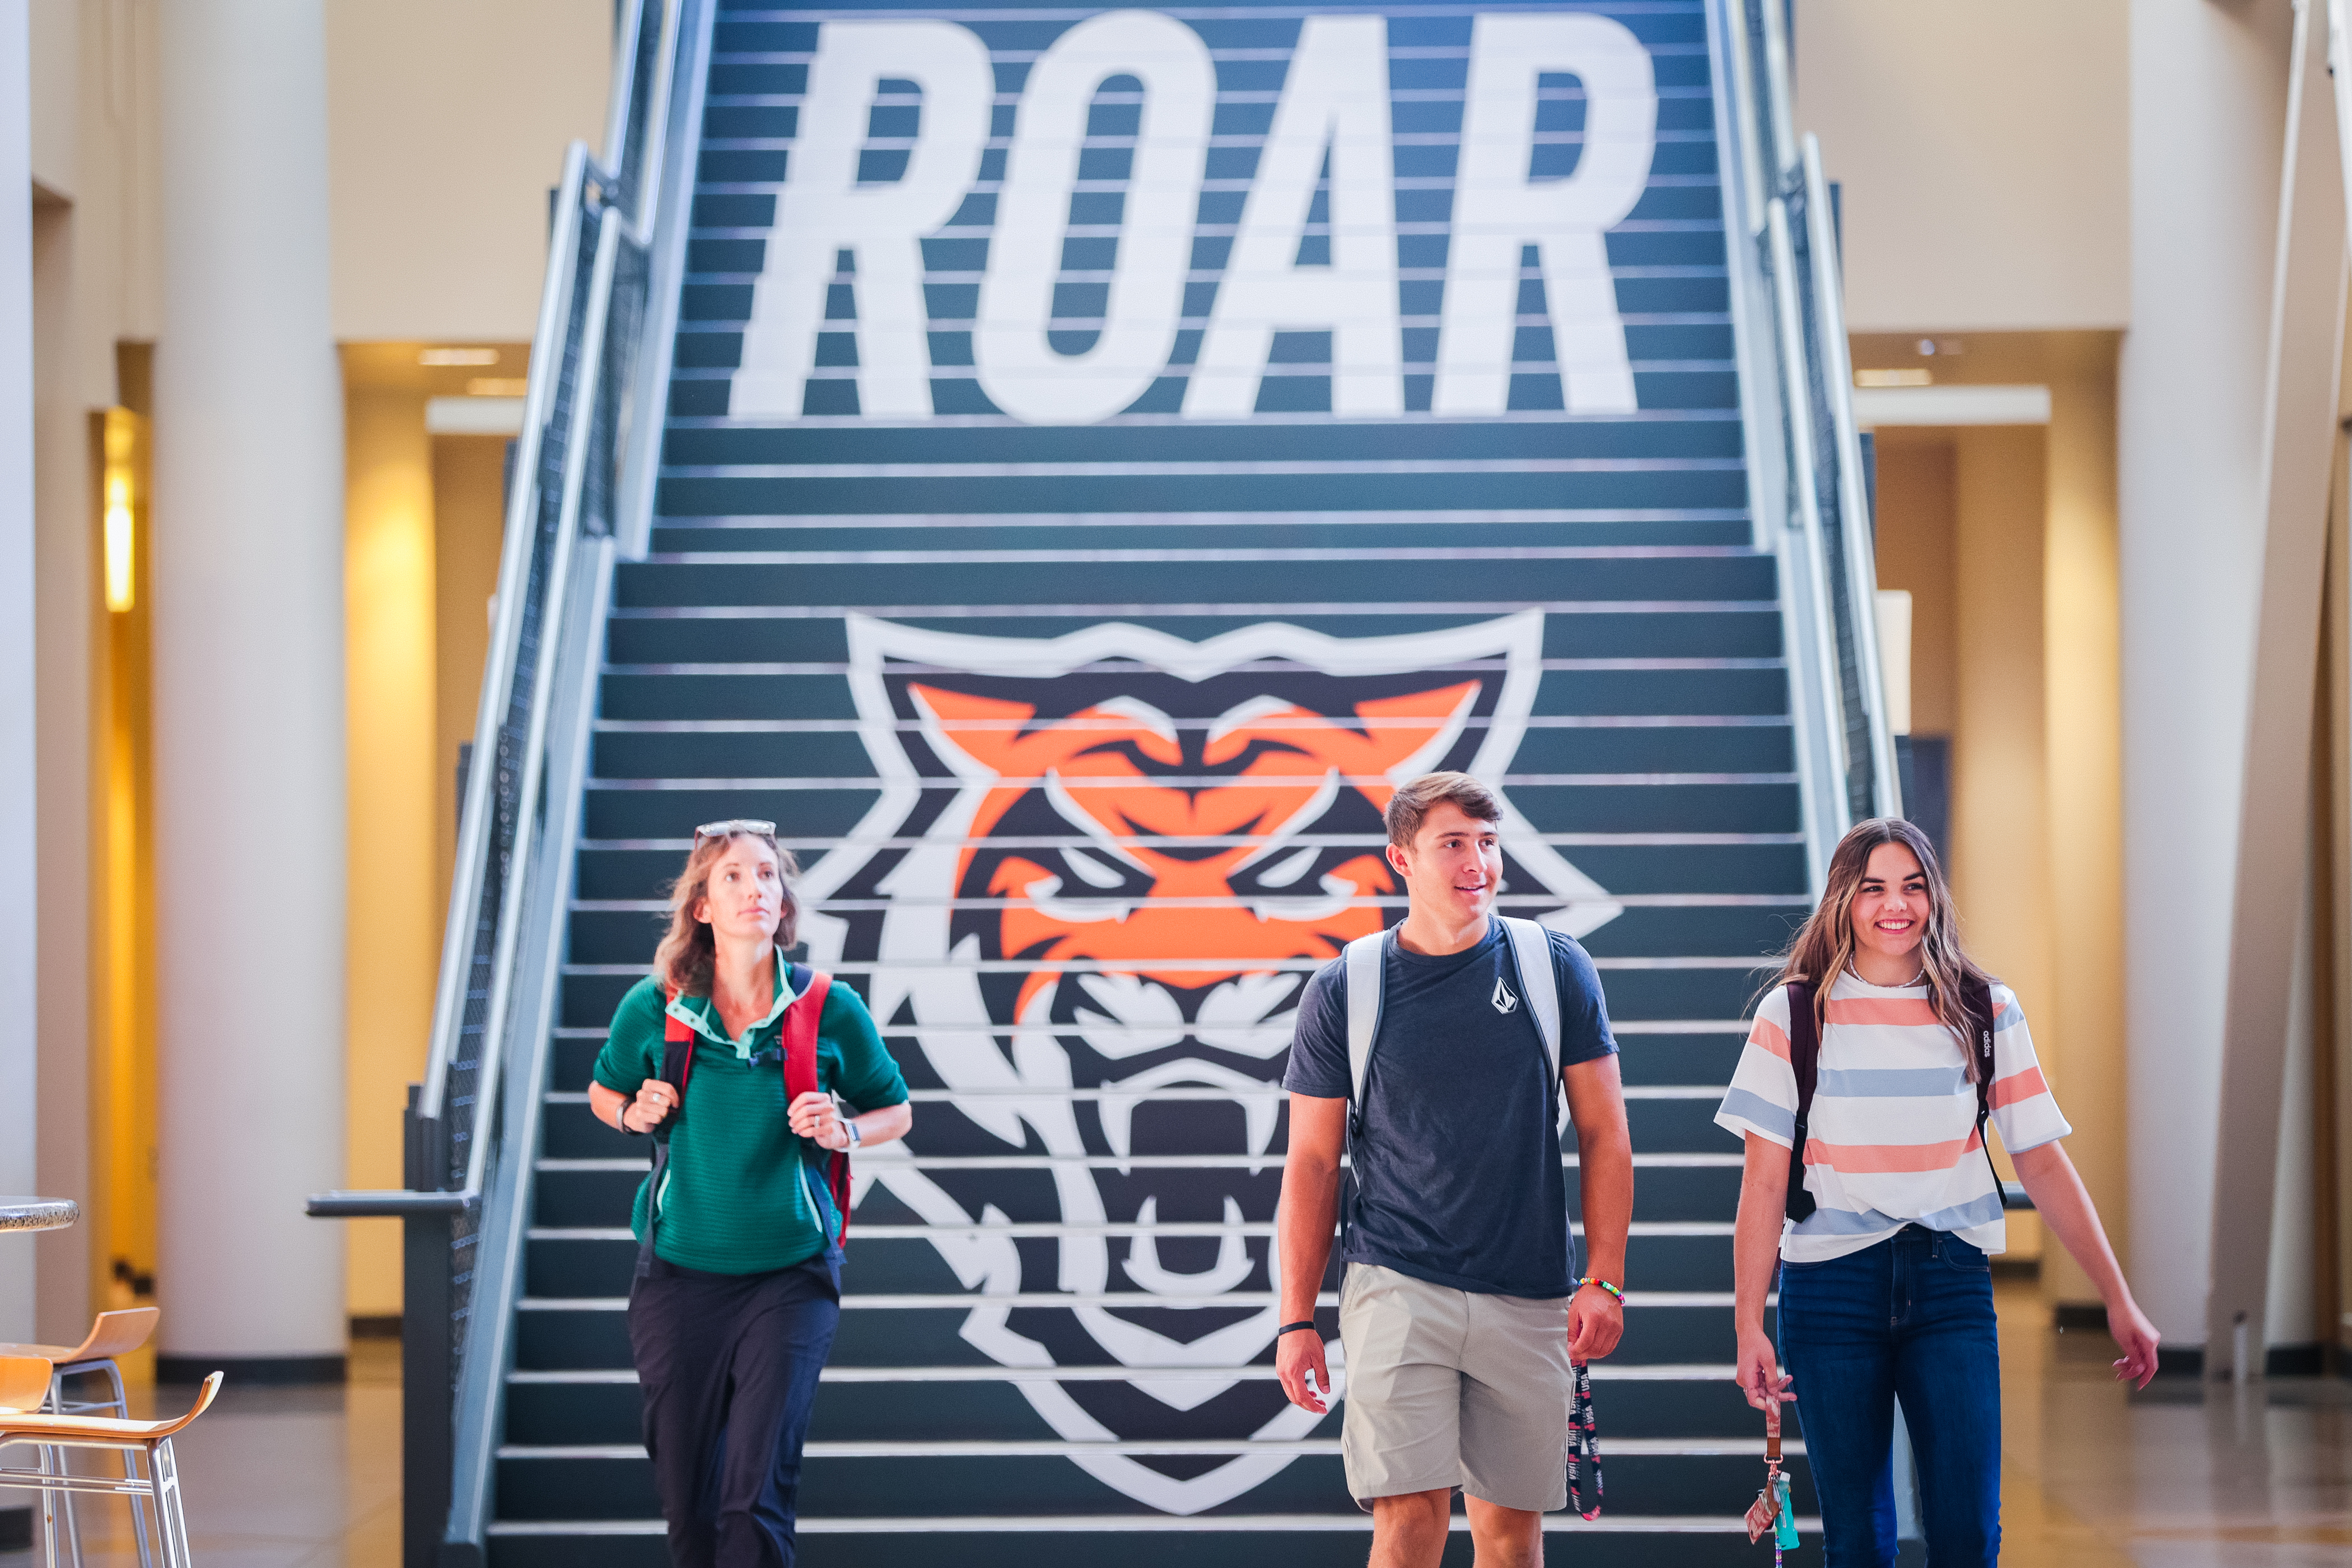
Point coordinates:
[[1412, 801]]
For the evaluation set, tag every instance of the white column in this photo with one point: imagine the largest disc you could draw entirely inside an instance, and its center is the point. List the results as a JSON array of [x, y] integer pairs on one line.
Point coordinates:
[[2208, 88], [18, 1084], [249, 689], [2303, 348]]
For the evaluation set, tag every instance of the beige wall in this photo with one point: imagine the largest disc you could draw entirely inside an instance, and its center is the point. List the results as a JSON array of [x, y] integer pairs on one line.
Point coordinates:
[[92, 123], [1918, 489], [450, 122], [393, 928], [448, 119], [1983, 148], [2006, 538], [421, 555]]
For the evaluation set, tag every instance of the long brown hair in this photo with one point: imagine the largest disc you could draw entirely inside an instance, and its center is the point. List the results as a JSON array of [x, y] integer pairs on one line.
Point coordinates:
[[1824, 943], [688, 957]]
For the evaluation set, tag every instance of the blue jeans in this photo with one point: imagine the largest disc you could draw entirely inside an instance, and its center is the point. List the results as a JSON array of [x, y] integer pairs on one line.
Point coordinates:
[[1910, 1317]]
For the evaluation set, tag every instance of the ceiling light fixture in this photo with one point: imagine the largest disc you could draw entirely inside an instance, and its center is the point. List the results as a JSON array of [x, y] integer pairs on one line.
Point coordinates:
[[458, 356]]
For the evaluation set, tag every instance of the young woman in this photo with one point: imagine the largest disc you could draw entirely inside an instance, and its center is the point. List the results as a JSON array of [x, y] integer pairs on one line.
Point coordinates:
[[730, 1317], [1886, 1289]]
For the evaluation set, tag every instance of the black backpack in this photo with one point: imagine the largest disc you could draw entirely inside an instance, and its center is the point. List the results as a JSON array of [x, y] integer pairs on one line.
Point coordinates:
[[1805, 1057]]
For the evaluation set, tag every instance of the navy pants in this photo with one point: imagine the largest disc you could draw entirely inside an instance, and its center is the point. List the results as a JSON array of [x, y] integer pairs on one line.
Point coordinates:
[[1910, 1317], [728, 1364]]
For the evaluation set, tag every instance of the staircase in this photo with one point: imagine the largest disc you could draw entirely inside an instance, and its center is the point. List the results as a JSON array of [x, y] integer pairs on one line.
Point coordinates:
[[1080, 731]]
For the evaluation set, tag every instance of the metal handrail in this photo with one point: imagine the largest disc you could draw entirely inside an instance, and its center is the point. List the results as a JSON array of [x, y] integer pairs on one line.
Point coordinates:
[[592, 189], [1833, 362], [1808, 488], [583, 465]]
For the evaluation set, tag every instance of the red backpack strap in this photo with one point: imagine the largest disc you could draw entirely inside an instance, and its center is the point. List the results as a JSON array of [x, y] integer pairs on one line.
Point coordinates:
[[799, 1042], [677, 1064], [678, 1057]]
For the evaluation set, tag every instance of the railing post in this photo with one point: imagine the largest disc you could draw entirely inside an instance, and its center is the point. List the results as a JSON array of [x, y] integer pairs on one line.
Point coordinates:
[[426, 1369]]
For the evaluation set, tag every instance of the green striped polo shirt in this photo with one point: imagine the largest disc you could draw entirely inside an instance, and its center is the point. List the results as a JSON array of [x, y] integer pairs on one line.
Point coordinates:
[[734, 1201]]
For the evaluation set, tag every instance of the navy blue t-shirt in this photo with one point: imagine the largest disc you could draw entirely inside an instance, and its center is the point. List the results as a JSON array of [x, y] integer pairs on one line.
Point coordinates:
[[1458, 1158]]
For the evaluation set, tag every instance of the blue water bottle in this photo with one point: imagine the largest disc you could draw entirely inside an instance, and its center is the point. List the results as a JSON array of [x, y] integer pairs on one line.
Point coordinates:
[[1786, 1525]]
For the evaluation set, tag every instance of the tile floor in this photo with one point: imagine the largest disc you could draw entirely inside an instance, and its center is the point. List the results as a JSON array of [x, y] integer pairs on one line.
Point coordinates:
[[2185, 1476], [274, 1477]]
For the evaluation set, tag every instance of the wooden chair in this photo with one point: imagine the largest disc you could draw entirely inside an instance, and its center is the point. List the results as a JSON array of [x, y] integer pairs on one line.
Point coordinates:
[[24, 1383], [113, 1335]]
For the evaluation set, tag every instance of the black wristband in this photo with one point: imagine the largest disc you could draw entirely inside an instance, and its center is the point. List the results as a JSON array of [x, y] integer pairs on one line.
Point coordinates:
[[1293, 1328]]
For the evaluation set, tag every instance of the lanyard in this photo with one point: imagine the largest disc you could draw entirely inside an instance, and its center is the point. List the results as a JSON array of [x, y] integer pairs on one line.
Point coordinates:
[[1584, 1442]]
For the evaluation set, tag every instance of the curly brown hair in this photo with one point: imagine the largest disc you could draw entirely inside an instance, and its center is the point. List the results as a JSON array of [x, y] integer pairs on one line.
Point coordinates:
[[688, 955]]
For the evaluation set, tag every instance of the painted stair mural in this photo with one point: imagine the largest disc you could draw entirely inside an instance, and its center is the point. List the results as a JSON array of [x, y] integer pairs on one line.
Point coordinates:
[[1106, 449]]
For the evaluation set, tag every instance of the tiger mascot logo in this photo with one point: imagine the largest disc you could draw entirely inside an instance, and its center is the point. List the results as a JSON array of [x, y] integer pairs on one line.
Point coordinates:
[[1102, 866]]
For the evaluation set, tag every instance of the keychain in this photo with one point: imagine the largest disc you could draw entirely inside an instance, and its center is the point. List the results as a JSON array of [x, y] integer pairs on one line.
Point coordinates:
[[1773, 1509]]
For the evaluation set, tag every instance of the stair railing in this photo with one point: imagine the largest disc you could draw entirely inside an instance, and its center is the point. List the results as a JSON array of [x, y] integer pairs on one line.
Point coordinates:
[[1809, 490], [582, 464]]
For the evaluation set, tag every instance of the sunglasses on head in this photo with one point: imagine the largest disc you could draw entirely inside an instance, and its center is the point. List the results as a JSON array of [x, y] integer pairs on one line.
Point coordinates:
[[733, 825]]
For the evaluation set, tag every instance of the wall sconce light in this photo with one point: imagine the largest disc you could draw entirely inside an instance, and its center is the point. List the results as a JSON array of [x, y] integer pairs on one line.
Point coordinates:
[[122, 580]]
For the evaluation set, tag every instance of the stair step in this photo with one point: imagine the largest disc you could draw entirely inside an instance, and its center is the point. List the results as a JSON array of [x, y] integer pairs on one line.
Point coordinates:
[[938, 1479], [669, 634], [1108, 584], [561, 1334], [1295, 1540], [981, 1403], [598, 1261]]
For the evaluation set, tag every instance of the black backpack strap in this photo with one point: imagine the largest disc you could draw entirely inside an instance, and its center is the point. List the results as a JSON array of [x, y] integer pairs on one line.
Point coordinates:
[[1805, 1057], [677, 1063], [1978, 1001]]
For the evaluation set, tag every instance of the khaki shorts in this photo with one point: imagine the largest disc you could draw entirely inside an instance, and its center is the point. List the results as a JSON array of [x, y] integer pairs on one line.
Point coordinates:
[[1451, 1388]]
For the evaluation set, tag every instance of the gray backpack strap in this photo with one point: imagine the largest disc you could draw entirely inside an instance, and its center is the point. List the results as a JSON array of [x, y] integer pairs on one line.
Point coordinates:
[[1364, 958], [1531, 947]]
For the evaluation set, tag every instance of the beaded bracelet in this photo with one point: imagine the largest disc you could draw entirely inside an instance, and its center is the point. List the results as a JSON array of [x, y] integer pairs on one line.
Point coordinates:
[[1604, 1284]]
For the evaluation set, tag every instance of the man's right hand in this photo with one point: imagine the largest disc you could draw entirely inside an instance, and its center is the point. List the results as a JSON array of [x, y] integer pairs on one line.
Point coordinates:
[[1296, 1355]]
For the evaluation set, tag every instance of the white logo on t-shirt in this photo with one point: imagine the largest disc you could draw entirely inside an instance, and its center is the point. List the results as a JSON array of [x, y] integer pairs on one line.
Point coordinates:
[[1504, 1002]]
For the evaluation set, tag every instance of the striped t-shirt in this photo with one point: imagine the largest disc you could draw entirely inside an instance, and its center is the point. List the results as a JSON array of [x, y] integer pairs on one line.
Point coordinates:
[[1893, 1138]]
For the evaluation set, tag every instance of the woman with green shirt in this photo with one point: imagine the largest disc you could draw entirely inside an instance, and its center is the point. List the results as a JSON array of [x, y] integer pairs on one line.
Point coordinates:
[[731, 1315]]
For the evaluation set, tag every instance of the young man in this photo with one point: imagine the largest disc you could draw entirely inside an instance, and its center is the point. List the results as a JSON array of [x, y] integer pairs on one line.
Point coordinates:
[[1459, 1310]]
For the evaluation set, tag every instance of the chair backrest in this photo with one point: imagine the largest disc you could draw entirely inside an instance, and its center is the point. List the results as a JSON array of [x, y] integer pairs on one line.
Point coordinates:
[[117, 1333], [24, 1381]]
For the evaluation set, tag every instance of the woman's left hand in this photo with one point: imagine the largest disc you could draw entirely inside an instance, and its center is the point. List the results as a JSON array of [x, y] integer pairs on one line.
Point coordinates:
[[814, 1116], [2138, 1339]]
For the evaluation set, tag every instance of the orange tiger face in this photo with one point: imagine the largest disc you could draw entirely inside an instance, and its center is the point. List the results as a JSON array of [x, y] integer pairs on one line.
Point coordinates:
[[1191, 864], [1101, 870]]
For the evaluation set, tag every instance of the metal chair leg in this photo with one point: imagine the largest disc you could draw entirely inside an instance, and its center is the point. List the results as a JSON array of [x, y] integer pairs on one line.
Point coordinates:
[[163, 1481], [130, 1472], [50, 1510], [59, 1405], [52, 1501]]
